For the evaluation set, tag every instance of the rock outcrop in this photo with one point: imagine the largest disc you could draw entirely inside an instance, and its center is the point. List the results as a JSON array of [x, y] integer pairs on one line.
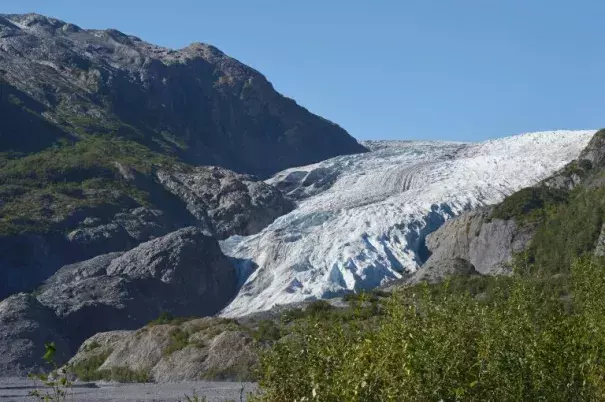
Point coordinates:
[[488, 244], [218, 201], [230, 203], [470, 244], [206, 348], [183, 273]]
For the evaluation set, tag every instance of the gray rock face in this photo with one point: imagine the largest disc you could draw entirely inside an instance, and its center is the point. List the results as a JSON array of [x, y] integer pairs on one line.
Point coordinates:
[[301, 184], [202, 105], [27, 260], [183, 273], [487, 245], [218, 201], [227, 202], [583, 170], [25, 326], [595, 150]]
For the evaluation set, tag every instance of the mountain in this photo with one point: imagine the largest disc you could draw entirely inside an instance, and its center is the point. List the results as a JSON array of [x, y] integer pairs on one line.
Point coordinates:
[[183, 273], [109, 141], [197, 104], [361, 220]]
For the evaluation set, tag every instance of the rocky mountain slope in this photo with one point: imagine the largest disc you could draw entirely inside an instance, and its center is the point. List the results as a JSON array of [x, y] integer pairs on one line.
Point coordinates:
[[362, 219], [108, 141], [183, 273], [545, 226], [218, 201], [195, 103]]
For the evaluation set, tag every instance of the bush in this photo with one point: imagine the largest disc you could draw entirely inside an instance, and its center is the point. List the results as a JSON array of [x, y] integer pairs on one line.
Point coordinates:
[[569, 231], [179, 339], [267, 331], [166, 318], [523, 342], [529, 204], [86, 370]]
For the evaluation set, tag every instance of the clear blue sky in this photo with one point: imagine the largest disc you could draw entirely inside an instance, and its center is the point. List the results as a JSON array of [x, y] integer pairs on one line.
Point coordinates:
[[393, 69]]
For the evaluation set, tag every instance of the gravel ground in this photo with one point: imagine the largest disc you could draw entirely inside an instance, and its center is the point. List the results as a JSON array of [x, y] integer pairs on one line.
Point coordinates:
[[17, 389]]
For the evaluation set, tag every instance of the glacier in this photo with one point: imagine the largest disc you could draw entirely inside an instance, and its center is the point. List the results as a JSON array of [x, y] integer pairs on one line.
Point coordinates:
[[361, 220]]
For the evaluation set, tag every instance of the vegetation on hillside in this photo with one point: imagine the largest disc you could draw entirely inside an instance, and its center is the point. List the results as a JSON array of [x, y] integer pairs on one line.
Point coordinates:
[[529, 204], [537, 335], [40, 189]]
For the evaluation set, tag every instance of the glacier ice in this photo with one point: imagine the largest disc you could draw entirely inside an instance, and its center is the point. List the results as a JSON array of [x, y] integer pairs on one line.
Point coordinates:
[[361, 219]]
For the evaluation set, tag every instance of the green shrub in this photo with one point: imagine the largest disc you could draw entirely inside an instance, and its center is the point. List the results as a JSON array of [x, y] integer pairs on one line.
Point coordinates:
[[179, 339], [87, 370], [523, 342], [54, 386], [125, 375], [167, 318], [569, 231], [267, 331]]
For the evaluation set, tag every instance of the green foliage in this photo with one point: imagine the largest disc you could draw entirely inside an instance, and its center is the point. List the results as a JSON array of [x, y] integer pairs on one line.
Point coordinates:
[[179, 339], [41, 187], [92, 346], [523, 342], [317, 308], [240, 371], [569, 231], [373, 296], [56, 386], [267, 331], [125, 375], [88, 370], [529, 204], [168, 319]]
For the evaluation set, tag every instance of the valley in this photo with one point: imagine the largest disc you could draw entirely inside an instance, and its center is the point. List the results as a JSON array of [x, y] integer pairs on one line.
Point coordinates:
[[168, 221]]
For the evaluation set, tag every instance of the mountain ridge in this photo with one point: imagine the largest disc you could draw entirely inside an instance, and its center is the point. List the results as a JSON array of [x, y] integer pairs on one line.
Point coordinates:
[[197, 103]]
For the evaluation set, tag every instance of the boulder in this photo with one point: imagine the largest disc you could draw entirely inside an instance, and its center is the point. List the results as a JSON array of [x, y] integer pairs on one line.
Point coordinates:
[[183, 273]]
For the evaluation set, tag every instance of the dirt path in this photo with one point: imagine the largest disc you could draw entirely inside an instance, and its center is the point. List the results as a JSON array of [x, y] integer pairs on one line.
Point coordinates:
[[17, 389]]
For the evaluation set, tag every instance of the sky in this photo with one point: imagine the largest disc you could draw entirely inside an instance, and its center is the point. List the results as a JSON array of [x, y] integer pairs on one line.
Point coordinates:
[[464, 70]]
